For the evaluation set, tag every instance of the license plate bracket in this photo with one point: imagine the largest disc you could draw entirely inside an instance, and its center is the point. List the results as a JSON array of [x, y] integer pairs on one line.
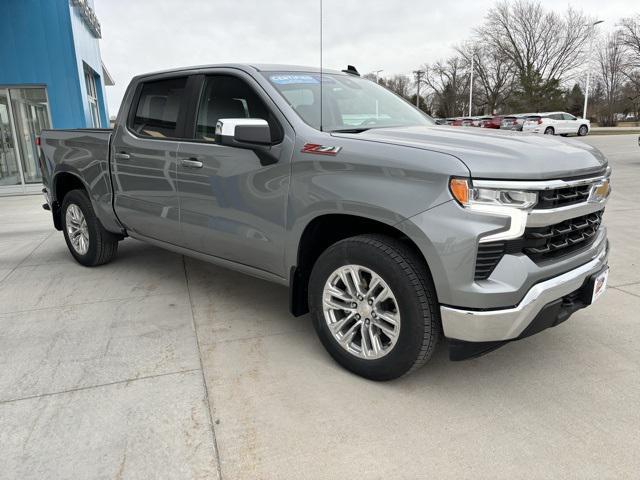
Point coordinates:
[[597, 285]]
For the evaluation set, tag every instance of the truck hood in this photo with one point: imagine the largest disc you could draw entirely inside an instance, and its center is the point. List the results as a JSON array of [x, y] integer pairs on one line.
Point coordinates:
[[498, 154]]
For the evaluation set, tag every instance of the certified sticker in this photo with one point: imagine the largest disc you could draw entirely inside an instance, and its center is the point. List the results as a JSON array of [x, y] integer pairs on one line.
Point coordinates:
[[293, 79]]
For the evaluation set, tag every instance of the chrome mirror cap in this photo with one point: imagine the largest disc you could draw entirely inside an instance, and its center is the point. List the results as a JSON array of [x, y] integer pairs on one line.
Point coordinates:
[[243, 132]]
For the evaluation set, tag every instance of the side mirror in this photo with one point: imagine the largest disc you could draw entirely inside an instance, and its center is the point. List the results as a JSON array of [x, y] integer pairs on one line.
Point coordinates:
[[243, 132]]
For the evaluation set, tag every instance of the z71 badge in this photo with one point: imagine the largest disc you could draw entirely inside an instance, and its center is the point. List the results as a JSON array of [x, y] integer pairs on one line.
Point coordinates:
[[320, 149]]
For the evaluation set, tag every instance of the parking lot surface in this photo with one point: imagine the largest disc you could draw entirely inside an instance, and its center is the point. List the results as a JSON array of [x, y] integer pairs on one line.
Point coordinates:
[[159, 366]]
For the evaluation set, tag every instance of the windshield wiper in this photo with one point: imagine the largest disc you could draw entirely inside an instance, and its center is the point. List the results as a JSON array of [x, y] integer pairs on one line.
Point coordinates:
[[351, 130]]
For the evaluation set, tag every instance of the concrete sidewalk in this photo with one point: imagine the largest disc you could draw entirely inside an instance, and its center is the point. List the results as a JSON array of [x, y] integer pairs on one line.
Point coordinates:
[[157, 366]]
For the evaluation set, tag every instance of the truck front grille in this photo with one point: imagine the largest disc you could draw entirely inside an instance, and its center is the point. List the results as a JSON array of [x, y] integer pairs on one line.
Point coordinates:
[[562, 197], [544, 243], [540, 243]]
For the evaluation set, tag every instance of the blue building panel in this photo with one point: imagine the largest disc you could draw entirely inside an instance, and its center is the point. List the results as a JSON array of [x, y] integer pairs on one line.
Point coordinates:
[[48, 42], [87, 51]]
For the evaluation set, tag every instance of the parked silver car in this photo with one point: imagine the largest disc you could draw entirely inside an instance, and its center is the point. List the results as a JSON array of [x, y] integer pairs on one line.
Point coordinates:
[[514, 122]]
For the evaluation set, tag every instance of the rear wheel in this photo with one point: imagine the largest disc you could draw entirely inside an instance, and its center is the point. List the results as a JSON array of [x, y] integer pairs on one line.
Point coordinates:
[[549, 131], [87, 240], [374, 306], [583, 130]]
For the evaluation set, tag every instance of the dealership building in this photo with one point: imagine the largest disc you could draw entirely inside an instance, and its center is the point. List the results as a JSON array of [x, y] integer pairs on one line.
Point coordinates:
[[51, 76]]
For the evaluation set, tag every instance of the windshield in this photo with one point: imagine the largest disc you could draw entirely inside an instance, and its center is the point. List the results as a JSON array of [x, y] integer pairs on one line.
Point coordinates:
[[349, 103]]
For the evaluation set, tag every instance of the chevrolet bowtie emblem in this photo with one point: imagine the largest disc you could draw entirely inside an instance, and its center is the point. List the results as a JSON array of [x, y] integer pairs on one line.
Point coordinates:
[[599, 192]]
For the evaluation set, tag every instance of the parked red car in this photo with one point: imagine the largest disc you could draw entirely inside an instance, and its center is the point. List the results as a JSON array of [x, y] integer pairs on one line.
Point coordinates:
[[462, 122], [493, 122]]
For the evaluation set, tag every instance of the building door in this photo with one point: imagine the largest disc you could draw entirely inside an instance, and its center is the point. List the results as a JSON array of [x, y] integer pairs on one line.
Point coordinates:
[[9, 163], [24, 113]]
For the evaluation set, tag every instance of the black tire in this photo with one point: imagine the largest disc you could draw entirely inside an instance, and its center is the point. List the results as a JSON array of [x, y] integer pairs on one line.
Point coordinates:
[[103, 245], [410, 281], [549, 131], [583, 130]]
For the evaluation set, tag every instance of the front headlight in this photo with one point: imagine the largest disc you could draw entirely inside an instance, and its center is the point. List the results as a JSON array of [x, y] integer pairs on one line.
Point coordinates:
[[467, 195], [514, 204]]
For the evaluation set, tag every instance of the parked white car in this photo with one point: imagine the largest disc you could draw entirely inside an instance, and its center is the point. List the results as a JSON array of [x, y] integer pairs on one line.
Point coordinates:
[[556, 123]]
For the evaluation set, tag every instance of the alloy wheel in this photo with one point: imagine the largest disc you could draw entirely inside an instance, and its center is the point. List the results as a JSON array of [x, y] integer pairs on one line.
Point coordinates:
[[77, 229], [361, 311]]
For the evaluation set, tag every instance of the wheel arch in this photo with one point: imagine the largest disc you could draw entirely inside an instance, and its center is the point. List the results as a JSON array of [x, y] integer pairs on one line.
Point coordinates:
[[64, 182], [322, 232]]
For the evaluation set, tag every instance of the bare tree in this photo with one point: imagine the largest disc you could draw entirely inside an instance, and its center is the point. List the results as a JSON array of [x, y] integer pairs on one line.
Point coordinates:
[[629, 35], [448, 79], [494, 74], [398, 84], [610, 58], [543, 47]]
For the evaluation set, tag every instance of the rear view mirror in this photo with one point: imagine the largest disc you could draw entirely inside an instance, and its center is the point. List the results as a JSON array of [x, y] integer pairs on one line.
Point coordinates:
[[243, 132]]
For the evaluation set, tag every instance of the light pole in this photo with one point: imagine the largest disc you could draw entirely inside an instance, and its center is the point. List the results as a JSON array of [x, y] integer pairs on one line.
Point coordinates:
[[377, 72], [418, 74], [471, 82], [586, 89]]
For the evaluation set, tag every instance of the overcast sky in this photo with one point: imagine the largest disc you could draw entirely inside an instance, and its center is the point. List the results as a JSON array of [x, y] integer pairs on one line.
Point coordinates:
[[396, 36]]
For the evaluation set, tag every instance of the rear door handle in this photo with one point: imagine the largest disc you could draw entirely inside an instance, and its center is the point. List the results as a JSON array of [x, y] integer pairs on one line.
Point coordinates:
[[191, 163], [121, 156]]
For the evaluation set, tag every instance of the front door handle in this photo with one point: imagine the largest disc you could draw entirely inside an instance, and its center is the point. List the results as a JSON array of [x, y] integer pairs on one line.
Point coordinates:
[[121, 156], [191, 163]]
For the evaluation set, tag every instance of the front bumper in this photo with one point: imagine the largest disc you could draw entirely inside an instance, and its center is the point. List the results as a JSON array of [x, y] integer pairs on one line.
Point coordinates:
[[489, 329]]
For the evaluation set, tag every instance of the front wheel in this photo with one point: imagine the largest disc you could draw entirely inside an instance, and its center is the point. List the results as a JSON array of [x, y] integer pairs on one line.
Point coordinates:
[[583, 130], [87, 240], [549, 131], [374, 306]]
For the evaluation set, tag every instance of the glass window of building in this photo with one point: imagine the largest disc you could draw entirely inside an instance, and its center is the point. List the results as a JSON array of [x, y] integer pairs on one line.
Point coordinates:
[[24, 112], [9, 165], [92, 95]]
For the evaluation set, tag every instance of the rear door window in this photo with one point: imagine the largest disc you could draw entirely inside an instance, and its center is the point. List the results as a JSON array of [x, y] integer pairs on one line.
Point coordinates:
[[159, 106]]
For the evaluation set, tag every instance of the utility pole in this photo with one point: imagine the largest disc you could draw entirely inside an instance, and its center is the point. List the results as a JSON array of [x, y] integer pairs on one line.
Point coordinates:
[[590, 55], [471, 82], [418, 74]]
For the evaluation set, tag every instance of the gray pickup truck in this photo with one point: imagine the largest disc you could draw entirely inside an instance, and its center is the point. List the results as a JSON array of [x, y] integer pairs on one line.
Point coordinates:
[[390, 230]]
